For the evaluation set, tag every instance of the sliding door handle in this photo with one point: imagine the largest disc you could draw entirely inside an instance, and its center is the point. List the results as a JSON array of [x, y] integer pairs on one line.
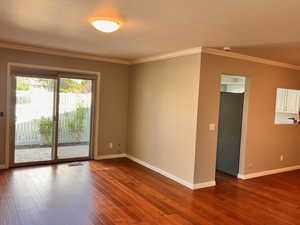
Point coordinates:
[[1, 114]]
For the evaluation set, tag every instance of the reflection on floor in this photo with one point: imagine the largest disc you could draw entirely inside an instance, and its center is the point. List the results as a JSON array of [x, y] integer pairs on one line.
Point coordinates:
[[44, 154], [224, 177]]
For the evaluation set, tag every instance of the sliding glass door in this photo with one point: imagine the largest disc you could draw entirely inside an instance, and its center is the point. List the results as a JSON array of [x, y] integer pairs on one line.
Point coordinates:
[[52, 119], [74, 118], [34, 119]]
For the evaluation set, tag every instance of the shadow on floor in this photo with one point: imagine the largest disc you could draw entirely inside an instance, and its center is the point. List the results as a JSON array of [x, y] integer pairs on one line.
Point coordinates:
[[224, 177]]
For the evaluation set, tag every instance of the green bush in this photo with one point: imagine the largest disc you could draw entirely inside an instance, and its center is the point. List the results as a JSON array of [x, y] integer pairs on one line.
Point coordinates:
[[22, 86], [75, 122], [23, 100], [45, 129], [67, 85]]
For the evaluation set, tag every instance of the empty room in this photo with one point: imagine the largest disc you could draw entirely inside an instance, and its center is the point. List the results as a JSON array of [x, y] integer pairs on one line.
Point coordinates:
[[169, 112]]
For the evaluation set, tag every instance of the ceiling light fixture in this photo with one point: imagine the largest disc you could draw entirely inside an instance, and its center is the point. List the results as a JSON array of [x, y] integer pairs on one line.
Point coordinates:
[[106, 25], [227, 49]]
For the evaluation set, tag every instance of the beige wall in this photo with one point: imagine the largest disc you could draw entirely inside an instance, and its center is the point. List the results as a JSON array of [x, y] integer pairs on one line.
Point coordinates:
[[162, 114], [113, 94], [168, 113], [265, 141]]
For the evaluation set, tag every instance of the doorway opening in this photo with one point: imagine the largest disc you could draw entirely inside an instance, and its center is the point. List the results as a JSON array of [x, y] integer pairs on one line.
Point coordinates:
[[52, 114], [232, 96]]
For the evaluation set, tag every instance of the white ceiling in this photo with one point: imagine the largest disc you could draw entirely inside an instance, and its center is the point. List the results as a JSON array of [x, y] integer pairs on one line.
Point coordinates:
[[151, 27]]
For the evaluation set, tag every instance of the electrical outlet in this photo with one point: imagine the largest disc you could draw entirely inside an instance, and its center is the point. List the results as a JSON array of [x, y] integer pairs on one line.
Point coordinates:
[[281, 158], [111, 145], [250, 165]]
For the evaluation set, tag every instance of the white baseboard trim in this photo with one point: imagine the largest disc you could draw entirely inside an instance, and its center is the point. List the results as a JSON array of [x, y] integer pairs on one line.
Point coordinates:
[[204, 184], [111, 156], [156, 169], [162, 172], [171, 176], [268, 172]]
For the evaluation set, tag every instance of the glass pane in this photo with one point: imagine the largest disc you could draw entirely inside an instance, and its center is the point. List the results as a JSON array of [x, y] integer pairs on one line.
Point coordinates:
[[233, 84], [34, 119], [75, 100]]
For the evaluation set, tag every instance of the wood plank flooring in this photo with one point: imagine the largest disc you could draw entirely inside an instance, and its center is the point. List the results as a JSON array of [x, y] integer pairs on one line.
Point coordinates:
[[223, 177], [120, 192]]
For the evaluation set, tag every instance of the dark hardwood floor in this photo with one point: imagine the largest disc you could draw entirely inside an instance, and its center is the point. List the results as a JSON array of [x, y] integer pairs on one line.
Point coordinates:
[[121, 192]]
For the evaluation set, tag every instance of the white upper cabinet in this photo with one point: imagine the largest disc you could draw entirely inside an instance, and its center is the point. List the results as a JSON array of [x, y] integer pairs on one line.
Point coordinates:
[[280, 100], [292, 102], [287, 101]]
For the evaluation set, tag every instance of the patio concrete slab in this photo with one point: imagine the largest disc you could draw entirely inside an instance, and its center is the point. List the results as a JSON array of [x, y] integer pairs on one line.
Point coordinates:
[[44, 154]]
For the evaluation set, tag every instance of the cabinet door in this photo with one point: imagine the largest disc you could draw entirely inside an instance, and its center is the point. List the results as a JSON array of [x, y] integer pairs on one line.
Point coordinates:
[[281, 98], [292, 103]]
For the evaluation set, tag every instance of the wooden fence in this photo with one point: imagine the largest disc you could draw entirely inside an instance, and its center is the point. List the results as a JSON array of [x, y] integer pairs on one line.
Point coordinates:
[[27, 133]]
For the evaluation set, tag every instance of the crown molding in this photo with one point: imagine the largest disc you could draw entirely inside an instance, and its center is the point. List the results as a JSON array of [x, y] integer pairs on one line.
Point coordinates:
[[190, 51], [235, 55], [218, 52], [49, 51]]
